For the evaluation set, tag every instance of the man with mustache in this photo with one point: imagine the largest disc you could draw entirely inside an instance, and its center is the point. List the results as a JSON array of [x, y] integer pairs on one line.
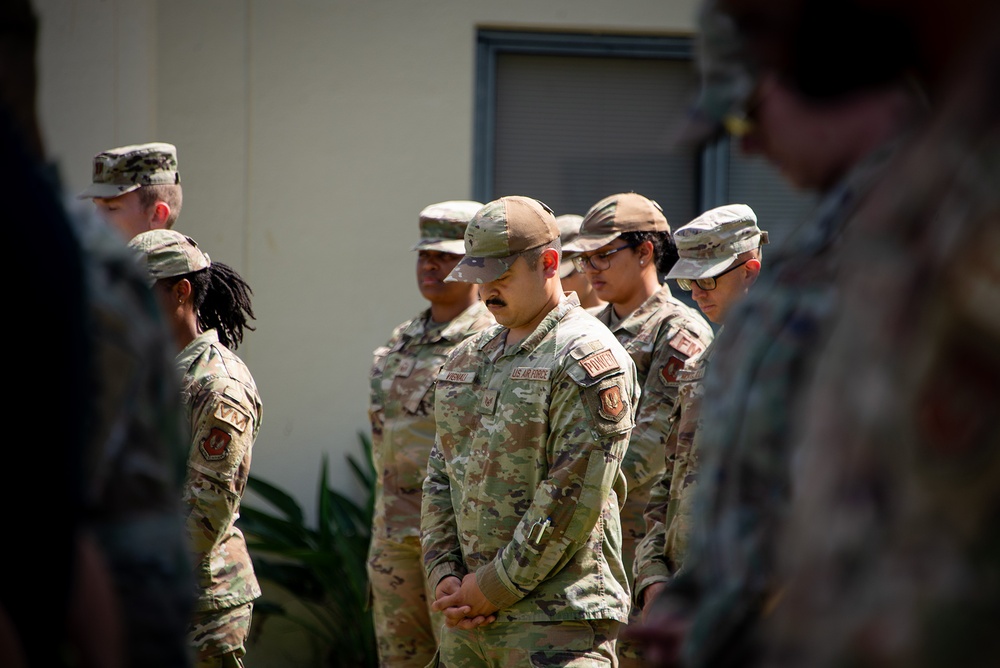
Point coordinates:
[[402, 419], [520, 524]]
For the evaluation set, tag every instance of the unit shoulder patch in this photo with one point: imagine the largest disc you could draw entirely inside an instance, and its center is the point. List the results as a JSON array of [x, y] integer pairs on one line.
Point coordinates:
[[214, 446]]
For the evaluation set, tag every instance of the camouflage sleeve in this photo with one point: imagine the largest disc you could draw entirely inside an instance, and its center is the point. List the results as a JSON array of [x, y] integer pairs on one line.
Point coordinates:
[[589, 426], [650, 565], [376, 402], [218, 466], [439, 542]]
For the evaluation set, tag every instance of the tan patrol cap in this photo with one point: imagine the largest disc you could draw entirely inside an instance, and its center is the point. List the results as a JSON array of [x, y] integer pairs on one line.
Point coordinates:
[[499, 232], [166, 253], [708, 244], [615, 214], [442, 226], [121, 170], [569, 230]]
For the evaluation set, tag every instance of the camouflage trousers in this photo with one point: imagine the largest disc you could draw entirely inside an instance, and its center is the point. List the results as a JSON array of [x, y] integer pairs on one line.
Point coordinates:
[[588, 643], [219, 636], [630, 653], [405, 627]]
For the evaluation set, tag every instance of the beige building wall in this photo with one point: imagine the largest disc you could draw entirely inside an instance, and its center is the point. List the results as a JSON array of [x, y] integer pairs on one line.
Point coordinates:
[[310, 134]]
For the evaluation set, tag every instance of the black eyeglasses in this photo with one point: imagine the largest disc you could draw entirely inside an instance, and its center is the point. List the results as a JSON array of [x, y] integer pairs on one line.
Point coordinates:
[[705, 284], [599, 261]]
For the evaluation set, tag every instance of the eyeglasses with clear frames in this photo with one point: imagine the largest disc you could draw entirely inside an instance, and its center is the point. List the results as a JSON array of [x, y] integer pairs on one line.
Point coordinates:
[[706, 284], [599, 261]]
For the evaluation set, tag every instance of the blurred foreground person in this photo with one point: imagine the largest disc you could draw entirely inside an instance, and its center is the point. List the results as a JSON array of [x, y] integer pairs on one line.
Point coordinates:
[[401, 410], [207, 305], [892, 557], [113, 586], [710, 612], [623, 248]]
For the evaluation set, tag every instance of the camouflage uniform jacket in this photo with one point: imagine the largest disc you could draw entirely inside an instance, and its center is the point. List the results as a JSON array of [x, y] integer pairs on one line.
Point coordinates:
[[401, 411], [901, 447], [524, 481], [225, 410], [759, 369], [660, 336], [668, 514]]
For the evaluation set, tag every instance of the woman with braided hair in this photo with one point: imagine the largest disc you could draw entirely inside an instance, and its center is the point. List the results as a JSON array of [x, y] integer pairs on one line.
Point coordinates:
[[207, 305]]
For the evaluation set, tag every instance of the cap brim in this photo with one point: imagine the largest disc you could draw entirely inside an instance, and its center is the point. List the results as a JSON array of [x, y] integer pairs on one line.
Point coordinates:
[[453, 246], [695, 269], [584, 244], [480, 269], [106, 190]]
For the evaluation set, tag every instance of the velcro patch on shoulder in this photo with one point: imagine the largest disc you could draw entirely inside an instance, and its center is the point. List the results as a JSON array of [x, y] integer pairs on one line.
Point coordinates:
[[530, 373], [585, 348], [600, 363], [612, 404], [669, 371], [685, 344], [215, 445], [457, 376], [232, 415]]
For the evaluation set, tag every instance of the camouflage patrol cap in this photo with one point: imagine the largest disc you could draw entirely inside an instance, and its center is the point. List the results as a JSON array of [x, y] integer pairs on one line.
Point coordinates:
[[615, 214], [498, 233], [442, 226], [121, 170], [569, 229], [728, 78], [708, 244], [166, 253]]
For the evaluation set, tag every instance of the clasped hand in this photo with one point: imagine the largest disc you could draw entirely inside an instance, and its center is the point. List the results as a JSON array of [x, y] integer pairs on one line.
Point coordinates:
[[463, 603]]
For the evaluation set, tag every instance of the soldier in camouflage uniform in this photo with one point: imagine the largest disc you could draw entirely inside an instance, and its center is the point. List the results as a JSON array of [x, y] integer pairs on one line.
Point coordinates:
[[720, 259], [891, 555], [207, 306], [711, 610], [520, 523], [624, 246], [572, 279], [402, 418], [137, 188]]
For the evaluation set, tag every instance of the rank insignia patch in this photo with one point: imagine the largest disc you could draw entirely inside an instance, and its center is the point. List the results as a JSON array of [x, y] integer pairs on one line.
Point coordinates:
[[213, 448]]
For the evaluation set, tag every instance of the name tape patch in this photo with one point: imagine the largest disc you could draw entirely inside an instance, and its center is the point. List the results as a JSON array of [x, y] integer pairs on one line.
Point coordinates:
[[530, 373], [457, 376], [686, 344], [599, 363]]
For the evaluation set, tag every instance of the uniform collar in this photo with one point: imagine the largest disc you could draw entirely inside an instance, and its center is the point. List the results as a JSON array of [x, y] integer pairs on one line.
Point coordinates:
[[195, 349]]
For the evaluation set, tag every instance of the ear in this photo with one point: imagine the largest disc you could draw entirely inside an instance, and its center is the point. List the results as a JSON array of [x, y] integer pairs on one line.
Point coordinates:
[[182, 291], [645, 252], [550, 262], [752, 271], [159, 214]]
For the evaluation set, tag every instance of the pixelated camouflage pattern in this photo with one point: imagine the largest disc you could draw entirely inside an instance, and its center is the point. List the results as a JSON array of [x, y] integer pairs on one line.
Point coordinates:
[[166, 253], [659, 336], [892, 555], [225, 412], [500, 231], [406, 629], [219, 636], [135, 460], [759, 368], [614, 215], [570, 644], [524, 480], [442, 226], [401, 412], [668, 514], [121, 170], [708, 244]]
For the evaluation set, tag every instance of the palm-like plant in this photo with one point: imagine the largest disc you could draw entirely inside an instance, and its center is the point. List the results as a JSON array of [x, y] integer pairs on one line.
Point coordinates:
[[322, 567]]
